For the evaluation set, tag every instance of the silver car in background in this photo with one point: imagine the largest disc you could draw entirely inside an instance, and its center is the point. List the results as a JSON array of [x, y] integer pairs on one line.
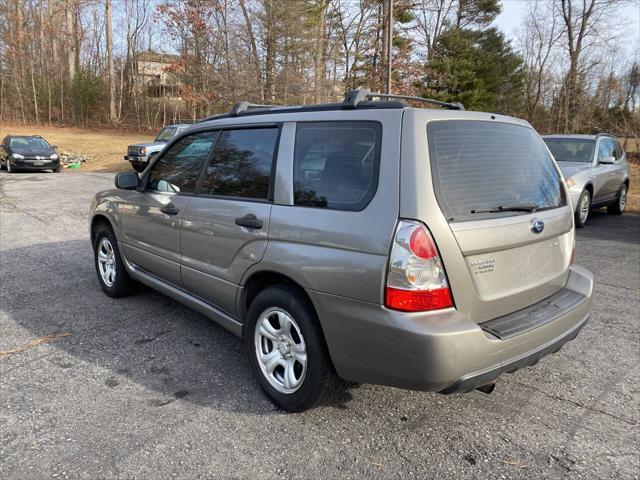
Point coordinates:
[[596, 171]]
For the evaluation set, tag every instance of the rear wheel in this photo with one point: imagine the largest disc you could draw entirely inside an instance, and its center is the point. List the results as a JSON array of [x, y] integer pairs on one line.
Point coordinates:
[[618, 207], [112, 275], [287, 351], [584, 206]]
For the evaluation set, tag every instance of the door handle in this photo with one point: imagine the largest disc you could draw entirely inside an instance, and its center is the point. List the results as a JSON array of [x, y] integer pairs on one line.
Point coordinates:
[[169, 209], [249, 221]]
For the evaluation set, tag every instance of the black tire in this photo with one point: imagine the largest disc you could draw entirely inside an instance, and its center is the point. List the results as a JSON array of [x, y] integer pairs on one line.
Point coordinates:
[[9, 169], [580, 215], [58, 169], [122, 284], [617, 208], [138, 168], [320, 382]]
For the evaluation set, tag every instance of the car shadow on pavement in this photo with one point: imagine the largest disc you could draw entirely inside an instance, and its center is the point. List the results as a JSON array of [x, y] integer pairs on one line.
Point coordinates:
[[147, 338]]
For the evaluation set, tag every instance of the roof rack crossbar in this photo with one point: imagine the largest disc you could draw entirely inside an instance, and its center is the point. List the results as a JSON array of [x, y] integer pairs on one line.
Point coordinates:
[[240, 107], [354, 97]]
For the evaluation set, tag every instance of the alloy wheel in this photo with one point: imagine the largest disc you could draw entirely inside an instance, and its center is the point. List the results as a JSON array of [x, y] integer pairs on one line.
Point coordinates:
[[107, 262], [622, 199], [280, 350], [584, 208]]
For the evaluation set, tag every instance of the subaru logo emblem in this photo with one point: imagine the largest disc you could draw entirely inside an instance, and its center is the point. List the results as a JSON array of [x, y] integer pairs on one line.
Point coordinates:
[[537, 226]]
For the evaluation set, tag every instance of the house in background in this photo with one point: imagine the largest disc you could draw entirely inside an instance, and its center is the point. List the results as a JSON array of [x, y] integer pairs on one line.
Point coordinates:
[[153, 75]]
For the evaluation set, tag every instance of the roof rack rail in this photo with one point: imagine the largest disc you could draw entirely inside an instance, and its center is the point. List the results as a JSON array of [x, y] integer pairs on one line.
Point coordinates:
[[240, 107], [354, 97]]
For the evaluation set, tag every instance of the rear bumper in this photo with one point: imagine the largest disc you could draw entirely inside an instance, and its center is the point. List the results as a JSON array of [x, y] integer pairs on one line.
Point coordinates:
[[441, 351]]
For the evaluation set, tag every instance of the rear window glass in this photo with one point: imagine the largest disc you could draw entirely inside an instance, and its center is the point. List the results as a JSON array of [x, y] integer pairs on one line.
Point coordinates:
[[241, 163], [336, 164], [571, 149], [481, 165]]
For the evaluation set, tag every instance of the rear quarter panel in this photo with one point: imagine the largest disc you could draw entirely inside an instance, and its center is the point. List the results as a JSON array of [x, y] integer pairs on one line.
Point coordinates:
[[338, 252]]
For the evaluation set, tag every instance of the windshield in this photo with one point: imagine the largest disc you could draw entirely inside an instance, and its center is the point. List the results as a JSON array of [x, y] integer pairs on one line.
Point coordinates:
[[571, 149], [166, 134], [487, 169], [28, 142]]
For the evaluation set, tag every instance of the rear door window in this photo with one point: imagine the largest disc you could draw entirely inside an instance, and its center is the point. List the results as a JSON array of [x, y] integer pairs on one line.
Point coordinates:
[[479, 165], [336, 164], [242, 163], [619, 151]]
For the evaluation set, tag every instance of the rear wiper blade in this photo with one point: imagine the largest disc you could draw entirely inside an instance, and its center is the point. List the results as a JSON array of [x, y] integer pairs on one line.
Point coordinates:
[[512, 208]]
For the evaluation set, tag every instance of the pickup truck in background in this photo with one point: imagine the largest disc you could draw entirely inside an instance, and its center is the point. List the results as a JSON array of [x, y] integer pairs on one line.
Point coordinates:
[[141, 153]]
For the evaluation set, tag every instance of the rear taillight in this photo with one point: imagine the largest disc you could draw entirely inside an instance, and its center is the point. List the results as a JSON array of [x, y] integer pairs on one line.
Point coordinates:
[[416, 280]]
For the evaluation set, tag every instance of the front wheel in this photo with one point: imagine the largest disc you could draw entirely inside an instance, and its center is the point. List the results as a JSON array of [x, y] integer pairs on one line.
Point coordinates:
[[112, 275], [584, 206], [287, 351], [9, 167], [618, 207]]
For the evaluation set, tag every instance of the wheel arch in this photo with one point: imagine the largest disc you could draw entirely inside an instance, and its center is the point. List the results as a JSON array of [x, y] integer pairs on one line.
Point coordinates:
[[589, 187], [257, 281], [98, 220]]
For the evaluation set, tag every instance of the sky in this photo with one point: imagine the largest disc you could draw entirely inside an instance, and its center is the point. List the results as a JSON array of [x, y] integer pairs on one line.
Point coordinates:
[[513, 11]]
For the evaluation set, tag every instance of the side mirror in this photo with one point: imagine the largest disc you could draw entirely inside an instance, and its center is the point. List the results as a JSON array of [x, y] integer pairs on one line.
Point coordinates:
[[608, 160], [127, 180], [54, 146]]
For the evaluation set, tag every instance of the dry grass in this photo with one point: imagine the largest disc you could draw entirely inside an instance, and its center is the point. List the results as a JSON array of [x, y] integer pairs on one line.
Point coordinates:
[[632, 144], [106, 149]]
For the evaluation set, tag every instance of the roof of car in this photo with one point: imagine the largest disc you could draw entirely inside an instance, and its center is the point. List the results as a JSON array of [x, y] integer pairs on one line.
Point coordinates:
[[359, 99], [24, 136], [577, 136]]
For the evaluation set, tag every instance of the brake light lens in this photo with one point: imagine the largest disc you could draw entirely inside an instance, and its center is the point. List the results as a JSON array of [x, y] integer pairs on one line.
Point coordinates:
[[416, 280]]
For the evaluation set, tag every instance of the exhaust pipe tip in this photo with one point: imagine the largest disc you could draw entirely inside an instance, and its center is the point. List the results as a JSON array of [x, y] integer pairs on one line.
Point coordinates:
[[487, 388]]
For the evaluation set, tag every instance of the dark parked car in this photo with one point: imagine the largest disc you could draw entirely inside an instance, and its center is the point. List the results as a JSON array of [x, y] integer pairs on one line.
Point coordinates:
[[28, 152]]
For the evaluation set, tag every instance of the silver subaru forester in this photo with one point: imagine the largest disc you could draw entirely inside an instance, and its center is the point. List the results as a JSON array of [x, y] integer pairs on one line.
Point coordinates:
[[366, 241]]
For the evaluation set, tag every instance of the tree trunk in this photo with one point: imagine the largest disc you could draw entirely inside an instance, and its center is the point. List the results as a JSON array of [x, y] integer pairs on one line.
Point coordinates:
[[110, 66], [71, 49], [254, 49], [319, 60]]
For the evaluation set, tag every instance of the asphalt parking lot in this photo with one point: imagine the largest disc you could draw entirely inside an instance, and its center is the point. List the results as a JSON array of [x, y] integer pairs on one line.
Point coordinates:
[[143, 387]]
